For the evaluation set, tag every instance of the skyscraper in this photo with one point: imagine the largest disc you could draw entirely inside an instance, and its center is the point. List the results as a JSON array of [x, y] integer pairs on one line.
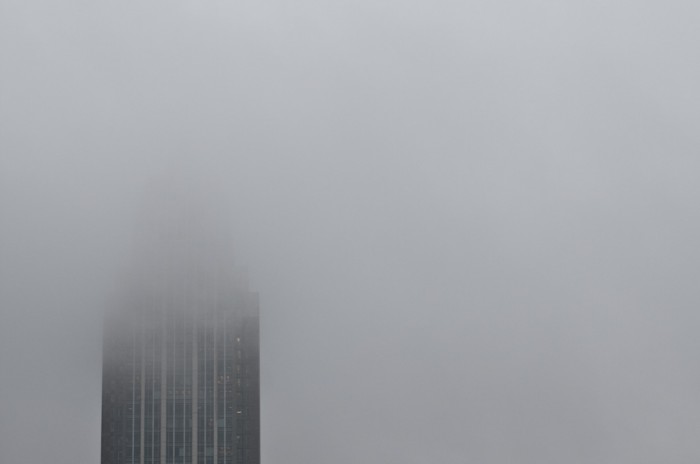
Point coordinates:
[[181, 358]]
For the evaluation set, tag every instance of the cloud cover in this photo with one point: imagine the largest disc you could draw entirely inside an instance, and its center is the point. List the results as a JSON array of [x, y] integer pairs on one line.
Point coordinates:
[[473, 225]]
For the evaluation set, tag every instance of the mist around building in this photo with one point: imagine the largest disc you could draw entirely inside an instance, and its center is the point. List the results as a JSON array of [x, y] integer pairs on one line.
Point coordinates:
[[472, 228]]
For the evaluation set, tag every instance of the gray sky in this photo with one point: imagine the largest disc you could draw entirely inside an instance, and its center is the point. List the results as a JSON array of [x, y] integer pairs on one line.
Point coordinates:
[[473, 225]]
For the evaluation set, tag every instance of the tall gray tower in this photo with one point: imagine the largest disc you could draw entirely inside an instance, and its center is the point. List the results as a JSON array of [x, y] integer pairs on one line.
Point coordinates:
[[181, 355]]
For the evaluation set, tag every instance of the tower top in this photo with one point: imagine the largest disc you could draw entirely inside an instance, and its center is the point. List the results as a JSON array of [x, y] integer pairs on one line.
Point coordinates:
[[182, 237]]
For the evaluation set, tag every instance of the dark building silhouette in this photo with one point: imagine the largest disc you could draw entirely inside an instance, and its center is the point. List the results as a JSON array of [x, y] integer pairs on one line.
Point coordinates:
[[181, 356]]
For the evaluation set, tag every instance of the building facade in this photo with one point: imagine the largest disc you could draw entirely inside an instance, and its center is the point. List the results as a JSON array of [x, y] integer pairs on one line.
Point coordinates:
[[181, 372]]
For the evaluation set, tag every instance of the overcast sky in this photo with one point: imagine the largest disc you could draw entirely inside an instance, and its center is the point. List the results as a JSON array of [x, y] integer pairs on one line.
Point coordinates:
[[473, 225]]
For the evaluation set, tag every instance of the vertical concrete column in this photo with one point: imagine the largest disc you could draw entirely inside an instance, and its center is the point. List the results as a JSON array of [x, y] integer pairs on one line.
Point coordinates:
[[225, 381], [216, 392], [132, 405], [143, 392], [195, 388], [163, 386]]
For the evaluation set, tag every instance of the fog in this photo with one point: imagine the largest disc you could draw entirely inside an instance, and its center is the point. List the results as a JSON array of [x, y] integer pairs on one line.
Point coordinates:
[[473, 226]]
